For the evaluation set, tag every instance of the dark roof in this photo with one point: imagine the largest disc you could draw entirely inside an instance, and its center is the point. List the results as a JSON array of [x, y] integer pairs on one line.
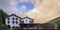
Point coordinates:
[[31, 23], [28, 18], [13, 15]]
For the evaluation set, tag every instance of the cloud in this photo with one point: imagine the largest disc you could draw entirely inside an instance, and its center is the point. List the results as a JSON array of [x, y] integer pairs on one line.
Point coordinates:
[[10, 6], [3, 4], [43, 11]]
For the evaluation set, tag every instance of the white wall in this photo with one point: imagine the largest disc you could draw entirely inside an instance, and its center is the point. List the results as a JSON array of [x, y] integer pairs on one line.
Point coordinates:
[[26, 20], [11, 24]]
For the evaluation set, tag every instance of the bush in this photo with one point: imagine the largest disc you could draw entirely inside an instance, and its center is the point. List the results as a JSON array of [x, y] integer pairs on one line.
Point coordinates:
[[14, 28], [3, 27]]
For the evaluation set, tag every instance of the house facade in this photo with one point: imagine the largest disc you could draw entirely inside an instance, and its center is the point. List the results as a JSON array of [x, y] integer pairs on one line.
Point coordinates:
[[12, 20], [15, 21], [25, 23], [26, 20]]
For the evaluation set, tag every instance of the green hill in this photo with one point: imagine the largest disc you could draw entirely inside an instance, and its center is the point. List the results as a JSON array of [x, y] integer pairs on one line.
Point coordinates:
[[55, 21]]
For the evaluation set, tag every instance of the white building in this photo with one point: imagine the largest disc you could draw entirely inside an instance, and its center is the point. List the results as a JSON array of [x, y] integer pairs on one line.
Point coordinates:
[[26, 20], [13, 20]]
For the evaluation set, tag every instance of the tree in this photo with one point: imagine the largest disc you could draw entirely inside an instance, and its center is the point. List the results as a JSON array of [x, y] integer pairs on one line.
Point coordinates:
[[48, 25], [14, 28], [3, 15], [0, 19], [3, 27], [55, 21]]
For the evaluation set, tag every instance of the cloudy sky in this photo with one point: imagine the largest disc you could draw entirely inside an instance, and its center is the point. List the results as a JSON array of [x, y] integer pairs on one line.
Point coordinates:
[[17, 6], [40, 10]]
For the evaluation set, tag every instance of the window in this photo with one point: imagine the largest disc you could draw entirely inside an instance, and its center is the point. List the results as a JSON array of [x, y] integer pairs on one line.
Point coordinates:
[[8, 18], [16, 18], [12, 18], [8, 26], [26, 20], [8, 22], [13, 22]]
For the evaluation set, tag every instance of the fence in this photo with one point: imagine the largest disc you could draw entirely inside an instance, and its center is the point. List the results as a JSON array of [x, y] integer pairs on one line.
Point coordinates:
[[36, 29]]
